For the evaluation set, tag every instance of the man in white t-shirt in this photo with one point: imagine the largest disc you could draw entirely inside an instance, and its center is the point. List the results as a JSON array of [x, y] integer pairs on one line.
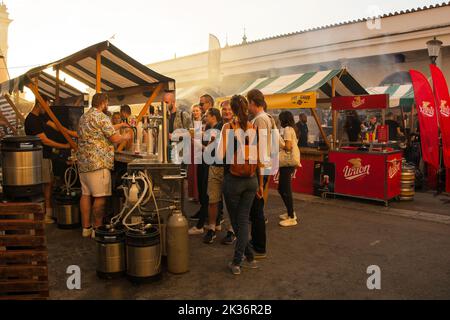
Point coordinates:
[[264, 123]]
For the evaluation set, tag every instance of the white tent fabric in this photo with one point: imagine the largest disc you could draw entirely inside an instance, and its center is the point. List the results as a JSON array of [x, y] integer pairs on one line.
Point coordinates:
[[400, 95]]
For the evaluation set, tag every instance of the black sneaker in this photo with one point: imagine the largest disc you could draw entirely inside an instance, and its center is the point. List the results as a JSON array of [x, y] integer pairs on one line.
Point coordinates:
[[260, 255], [229, 239], [210, 237]]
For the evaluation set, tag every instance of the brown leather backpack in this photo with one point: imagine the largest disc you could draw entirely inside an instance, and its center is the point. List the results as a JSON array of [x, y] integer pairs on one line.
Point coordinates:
[[246, 170]]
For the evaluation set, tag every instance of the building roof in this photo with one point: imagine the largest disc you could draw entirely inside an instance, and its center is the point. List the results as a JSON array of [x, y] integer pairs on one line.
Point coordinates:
[[339, 24], [335, 25]]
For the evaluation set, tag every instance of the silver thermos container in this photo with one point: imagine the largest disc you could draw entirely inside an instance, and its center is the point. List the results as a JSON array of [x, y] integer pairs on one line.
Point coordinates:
[[177, 243]]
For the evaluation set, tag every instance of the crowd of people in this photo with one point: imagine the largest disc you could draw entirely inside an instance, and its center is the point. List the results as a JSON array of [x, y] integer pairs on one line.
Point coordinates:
[[358, 131], [240, 188], [244, 195]]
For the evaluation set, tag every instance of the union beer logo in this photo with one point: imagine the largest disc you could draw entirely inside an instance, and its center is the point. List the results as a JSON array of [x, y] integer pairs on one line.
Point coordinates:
[[358, 102], [445, 109], [426, 109], [394, 168], [356, 170]]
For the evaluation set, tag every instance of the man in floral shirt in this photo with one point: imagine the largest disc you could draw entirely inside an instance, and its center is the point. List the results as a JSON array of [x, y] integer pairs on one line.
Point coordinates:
[[97, 137]]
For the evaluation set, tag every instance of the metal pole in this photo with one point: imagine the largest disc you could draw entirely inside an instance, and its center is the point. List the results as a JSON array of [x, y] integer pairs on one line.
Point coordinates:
[[165, 133]]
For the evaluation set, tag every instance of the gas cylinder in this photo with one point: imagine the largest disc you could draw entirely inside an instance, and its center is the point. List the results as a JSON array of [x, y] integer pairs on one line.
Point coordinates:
[[177, 243]]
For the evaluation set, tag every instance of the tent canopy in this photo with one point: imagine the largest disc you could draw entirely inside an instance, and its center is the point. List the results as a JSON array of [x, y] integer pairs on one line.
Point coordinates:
[[123, 78], [308, 82], [47, 87], [400, 95]]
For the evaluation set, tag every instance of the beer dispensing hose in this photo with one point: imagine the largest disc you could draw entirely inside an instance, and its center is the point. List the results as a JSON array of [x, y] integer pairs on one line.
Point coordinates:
[[147, 194], [70, 176]]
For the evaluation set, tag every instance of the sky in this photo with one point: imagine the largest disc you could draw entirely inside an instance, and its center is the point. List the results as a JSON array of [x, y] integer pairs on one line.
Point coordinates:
[[47, 30]]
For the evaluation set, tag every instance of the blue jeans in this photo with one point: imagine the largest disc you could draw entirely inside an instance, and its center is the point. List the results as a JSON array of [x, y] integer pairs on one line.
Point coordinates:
[[239, 195], [258, 223]]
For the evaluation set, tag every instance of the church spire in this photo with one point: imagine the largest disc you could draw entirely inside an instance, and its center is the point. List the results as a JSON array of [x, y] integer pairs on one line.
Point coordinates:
[[244, 38]]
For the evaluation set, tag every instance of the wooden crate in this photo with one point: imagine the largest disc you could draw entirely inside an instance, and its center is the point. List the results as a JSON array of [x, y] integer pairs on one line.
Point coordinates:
[[23, 252]]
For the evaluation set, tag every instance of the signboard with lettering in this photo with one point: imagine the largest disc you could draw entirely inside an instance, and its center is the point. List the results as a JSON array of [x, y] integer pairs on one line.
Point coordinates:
[[368, 102], [305, 100]]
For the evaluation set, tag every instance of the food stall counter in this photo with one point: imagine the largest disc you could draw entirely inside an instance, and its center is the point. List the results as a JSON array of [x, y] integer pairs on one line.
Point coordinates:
[[372, 175], [128, 157]]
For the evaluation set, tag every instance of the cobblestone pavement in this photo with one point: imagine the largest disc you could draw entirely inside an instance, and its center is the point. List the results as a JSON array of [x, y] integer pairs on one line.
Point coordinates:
[[325, 257]]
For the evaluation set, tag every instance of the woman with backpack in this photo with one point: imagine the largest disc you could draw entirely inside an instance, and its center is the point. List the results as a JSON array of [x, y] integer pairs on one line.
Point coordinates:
[[289, 162], [241, 181]]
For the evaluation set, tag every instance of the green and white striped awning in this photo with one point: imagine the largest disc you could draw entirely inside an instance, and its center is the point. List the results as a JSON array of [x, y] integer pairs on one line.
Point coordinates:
[[400, 95], [318, 82]]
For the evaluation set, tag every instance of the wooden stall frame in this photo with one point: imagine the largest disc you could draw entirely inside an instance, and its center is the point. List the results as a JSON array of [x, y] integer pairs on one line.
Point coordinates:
[[14, 107], [8, 124], [34, 88], [98, 75], [23, 266]]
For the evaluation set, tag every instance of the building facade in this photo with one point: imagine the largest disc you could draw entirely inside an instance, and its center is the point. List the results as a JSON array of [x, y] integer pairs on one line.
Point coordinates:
[[376, 52], [4, 26]]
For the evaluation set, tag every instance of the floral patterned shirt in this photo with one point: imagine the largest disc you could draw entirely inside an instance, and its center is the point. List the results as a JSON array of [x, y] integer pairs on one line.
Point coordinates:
[[95, 151]]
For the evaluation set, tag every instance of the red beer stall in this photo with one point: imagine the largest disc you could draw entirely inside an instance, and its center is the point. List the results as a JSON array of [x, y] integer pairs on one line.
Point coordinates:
[[371, 171]]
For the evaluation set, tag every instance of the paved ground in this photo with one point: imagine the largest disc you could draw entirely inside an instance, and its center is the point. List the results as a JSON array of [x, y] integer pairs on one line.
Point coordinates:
[[326, 257]]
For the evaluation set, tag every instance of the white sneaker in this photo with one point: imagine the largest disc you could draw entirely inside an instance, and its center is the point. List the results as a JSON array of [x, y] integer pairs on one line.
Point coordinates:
[[286, 216], [288, 223], [49, 220], [195, 232], [93, 234], [87, 233], [216, 228]]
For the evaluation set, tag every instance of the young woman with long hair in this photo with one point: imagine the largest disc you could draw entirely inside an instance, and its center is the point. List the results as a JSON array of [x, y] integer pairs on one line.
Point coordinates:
[[289, 162], [239, 189]]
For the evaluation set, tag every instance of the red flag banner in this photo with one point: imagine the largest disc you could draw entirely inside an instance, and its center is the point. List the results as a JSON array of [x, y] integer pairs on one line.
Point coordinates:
[[443, 110], [426, 110]]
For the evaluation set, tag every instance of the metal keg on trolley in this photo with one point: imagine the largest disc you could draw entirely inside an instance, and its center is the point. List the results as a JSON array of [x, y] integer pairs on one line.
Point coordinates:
[[408, 181], [22, 167]]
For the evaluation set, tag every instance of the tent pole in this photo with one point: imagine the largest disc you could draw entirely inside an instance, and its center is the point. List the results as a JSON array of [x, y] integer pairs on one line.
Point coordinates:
[[99, 72], [34, 88], [411, 124], [322, 132], [402, 112], [335, 113], [150, 100], [14, 107], [57, 99]]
